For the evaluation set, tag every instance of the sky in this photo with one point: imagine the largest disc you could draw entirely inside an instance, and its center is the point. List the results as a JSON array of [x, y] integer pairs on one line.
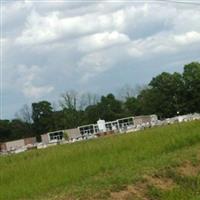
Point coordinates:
[[49, 47]]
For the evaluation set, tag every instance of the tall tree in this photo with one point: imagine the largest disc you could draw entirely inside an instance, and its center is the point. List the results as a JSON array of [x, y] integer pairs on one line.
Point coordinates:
[[42, 116], [164, 95], [110, 108], [91, 114], [131, 106], [88, 99], [169, 88], [69, 100], [25, 114], [191, 76]]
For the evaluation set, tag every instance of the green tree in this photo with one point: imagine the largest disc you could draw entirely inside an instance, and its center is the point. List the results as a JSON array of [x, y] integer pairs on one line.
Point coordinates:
[[20, 129], [5, 131], [42, 116], [131, 106], [91, 114], [191, 76], [15, 129], [147, 102], [72, 118], [110, 108], [164, 95]]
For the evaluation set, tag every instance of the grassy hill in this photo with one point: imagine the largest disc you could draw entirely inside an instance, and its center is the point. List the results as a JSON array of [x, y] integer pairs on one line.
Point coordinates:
[[158, 163]]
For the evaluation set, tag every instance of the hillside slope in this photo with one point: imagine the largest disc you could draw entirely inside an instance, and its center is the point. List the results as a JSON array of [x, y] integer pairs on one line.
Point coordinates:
[[158, 163]]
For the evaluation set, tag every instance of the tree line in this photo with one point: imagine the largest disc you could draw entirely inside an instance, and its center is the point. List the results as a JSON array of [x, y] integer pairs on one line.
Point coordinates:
[[166, 95]]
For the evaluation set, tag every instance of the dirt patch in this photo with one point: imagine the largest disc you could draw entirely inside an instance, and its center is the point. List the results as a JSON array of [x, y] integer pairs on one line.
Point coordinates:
[[136, 192], [139, 191], [162, 183], [188, 169]]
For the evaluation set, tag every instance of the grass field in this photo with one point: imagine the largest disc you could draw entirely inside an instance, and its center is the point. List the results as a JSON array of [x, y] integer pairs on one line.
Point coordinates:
[[158, 163]]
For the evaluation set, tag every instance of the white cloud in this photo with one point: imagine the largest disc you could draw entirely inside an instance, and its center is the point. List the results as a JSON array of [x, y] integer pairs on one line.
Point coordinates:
[[94, 64], [134, 51], [53, 26], [39, 29], [163, 43], [32, 91], [15, 11], [102, 40], [187, 38], [26, 81]]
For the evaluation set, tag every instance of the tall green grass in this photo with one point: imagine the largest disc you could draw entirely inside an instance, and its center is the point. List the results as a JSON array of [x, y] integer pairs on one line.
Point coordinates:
[[103, 164]]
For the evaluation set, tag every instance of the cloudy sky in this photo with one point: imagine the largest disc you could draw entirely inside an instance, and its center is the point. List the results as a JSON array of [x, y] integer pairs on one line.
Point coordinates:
[[49, 47]]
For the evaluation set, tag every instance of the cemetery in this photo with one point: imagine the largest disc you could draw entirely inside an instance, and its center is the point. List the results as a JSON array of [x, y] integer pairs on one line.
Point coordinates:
[[18, 146], [90, 131]]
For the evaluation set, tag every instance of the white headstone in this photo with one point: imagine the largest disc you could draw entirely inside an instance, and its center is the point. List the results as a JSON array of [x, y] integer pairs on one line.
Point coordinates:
[[101, 125]]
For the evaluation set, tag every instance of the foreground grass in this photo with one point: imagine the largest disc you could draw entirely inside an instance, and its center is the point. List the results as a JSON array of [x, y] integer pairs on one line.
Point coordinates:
[[95, 169]]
